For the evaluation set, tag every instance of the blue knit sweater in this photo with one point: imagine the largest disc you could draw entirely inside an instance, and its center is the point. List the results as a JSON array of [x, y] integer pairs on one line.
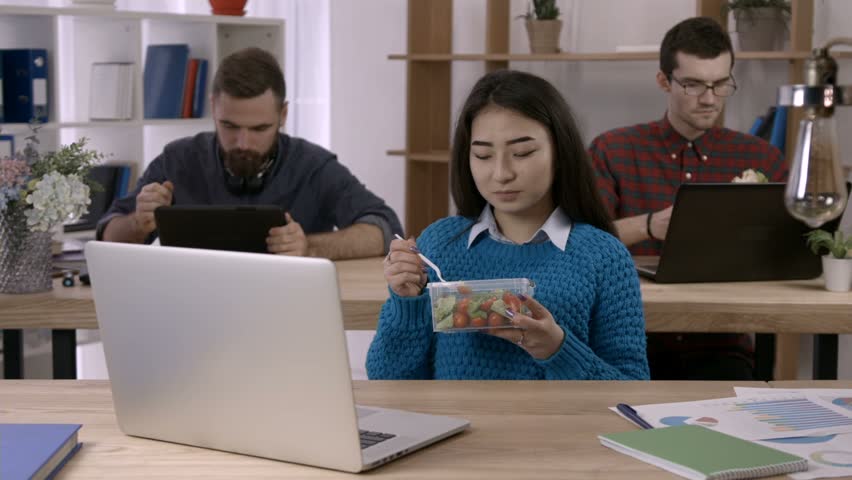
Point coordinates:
[[591, 289]]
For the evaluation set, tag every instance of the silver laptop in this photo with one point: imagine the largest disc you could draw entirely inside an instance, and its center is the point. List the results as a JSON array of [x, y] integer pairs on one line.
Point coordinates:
[[240, 352]]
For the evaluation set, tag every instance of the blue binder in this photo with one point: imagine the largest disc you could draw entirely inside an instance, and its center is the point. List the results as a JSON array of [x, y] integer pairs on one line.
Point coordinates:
[[7, 146], [779, 129], [199, 97], [163, 79], [755, 127], [25, 95]]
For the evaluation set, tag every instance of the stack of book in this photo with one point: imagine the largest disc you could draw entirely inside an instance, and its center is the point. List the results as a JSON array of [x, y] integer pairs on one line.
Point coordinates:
[[174, 83], [111, 95]]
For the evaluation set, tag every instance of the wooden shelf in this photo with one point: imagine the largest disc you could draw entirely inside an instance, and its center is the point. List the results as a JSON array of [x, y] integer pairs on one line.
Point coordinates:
[[589, 57], [435, 157], [118, 14], [24, 127]]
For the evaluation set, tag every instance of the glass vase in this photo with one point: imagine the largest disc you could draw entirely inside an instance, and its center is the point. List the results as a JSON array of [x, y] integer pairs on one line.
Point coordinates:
[[25, 256]]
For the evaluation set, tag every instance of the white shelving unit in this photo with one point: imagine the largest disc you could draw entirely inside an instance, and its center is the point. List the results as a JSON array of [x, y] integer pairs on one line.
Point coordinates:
[[76, 37]]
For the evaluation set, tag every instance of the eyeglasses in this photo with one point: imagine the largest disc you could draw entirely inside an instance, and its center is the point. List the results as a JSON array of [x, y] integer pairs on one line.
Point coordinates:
[[696, 89]]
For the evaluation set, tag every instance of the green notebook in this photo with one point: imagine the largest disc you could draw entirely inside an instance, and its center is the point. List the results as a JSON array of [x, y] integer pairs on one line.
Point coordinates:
[[693, 451]]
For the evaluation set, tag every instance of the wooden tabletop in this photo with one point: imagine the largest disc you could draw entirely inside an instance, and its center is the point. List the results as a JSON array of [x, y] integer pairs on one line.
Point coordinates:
[[518, 430], [801, 306]]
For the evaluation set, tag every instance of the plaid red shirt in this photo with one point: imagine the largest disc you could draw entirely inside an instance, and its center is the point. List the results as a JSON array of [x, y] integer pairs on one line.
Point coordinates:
[[639, 170]]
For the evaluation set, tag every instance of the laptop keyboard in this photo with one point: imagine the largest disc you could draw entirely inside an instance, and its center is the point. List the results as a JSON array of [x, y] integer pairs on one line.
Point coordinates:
[[368, 438]]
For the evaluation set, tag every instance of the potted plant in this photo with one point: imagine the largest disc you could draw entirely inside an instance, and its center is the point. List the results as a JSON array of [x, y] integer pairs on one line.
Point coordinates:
[[228, 7], [837, 262], [543, 26], [761, 25], [38, 193]]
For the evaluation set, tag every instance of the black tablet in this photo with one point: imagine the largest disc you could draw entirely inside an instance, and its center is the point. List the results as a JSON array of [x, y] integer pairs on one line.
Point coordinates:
[[242, 228]]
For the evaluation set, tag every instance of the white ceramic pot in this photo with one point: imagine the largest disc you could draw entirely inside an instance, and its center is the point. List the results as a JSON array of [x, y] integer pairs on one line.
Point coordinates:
[[544, 35], [837, 273], [761, 29]]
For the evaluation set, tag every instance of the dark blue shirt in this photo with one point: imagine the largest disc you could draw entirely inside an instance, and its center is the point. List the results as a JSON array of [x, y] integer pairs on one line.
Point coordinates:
[[305, 180]]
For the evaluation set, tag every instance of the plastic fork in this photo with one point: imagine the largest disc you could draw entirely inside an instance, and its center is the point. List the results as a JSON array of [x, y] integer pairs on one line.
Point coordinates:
[[428, 262]]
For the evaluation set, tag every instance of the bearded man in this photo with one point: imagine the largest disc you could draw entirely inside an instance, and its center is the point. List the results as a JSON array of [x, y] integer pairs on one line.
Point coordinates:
[[248, 161]]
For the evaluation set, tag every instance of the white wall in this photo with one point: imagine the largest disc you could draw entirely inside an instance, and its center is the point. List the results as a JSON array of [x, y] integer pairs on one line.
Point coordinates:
[[368, 93]]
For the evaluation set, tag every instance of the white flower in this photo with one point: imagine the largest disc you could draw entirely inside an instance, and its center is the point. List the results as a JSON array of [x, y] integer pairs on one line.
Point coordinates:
[[56, 199], [751, 176]]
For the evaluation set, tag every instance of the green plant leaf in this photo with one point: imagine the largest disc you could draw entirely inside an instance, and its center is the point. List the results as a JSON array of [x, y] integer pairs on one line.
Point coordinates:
[[820, 241]]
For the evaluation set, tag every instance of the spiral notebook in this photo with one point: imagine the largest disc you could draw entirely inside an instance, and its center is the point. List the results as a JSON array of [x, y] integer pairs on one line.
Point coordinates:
[[693, 451]]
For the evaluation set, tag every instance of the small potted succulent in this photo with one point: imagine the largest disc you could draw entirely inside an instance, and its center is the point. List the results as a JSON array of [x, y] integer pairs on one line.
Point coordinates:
[[836, 251], [761, 24], [543, 26]]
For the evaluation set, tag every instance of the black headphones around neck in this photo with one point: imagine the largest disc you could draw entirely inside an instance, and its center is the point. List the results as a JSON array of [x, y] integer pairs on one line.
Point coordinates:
[[252, 184], [238, 185]]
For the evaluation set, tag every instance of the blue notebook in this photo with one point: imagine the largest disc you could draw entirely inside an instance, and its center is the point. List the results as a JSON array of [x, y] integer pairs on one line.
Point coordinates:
[[163, 80], [34, 450]]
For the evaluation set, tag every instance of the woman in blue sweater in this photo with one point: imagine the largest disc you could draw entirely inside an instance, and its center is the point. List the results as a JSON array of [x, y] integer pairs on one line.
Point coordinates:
[[528, 207]]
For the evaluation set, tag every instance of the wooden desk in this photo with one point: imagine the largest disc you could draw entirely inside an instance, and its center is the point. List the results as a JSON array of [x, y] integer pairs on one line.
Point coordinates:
[[801, 306], [760, 307], [362, 289], [519, 430]]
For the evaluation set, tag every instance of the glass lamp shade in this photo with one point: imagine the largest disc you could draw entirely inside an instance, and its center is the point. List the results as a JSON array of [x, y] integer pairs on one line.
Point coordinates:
[[816, 189]]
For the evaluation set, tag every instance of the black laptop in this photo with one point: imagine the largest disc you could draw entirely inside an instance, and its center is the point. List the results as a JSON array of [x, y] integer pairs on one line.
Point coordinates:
[[241, 228], [733, 232]]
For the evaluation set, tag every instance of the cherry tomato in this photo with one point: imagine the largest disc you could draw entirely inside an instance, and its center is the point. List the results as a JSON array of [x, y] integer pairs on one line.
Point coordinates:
[[495, 319], [460, 320], [465, 290], [462, 305], [486, 305], [478, 321], [512, 302]]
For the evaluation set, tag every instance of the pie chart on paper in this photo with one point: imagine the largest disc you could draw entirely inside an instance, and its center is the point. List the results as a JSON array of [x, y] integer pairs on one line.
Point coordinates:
[[705, 421], [682, 420], [844, 402]]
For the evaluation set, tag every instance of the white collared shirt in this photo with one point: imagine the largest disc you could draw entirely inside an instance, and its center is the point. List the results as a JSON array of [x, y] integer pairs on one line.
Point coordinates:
[[556, 229]]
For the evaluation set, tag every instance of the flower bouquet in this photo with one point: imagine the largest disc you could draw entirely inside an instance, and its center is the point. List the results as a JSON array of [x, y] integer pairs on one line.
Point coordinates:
[[38, 193]]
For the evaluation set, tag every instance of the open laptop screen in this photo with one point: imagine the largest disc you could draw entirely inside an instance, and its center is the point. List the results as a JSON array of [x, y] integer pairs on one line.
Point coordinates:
[[724, 232]]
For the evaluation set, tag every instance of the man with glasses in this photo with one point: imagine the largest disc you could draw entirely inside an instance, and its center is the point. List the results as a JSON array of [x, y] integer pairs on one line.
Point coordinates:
[[639, 169]]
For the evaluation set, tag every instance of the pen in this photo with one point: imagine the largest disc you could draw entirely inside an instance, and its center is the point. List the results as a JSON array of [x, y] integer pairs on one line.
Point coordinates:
[[632, 415]]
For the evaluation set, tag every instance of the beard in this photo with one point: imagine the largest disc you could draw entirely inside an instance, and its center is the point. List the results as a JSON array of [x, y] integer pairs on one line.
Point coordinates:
[[246, 163]]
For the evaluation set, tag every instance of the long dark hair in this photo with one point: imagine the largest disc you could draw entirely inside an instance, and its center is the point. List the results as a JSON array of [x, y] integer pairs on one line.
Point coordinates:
[[574, 188]]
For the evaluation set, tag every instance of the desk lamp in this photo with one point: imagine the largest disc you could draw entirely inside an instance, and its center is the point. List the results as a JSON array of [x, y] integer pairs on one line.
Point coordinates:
[[816, 189]]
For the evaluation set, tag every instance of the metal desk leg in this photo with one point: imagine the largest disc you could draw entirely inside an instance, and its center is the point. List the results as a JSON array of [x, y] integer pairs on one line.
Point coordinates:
[[13, 354], [64, 354], [825, 357], [764, 356]]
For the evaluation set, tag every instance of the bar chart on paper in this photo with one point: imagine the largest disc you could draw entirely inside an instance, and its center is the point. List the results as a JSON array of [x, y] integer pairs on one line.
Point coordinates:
[[759, 417], [792, 415]]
